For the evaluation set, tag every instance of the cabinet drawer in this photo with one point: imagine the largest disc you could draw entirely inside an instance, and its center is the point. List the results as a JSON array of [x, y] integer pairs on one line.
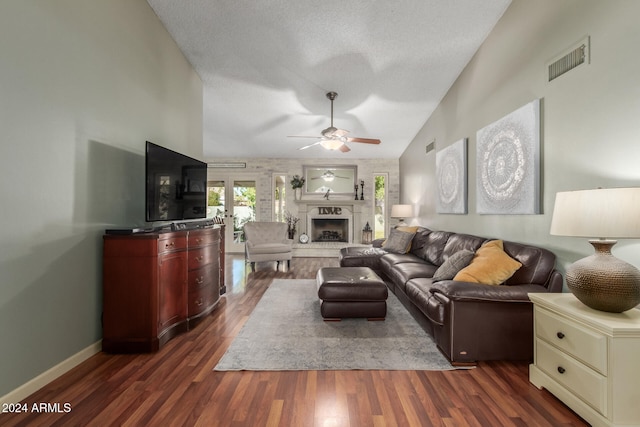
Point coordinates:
[[174, 243], [202, 277], [200, 300], [584, 344], [199, 239], [584, 382], [201, 257]]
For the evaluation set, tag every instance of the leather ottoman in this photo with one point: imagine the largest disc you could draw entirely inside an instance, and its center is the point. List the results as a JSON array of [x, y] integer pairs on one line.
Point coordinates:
[[351, 292]]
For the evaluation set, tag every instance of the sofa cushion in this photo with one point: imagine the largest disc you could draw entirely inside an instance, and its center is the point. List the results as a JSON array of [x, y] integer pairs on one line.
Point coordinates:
[[270, 248], [459, 241], [398, 241], [419, 241], [418, 292], [434, 246], [453, 264], [490, 266], [389, 260], [538, 264], [400, 273]]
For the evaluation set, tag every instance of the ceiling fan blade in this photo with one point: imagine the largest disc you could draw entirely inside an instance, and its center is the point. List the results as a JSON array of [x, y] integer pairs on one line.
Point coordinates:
[[364, 140], [344, 148], [308, 146], [302, 136]]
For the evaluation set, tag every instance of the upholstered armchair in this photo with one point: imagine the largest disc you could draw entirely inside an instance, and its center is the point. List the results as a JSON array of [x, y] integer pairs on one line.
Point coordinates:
[[267, 241]]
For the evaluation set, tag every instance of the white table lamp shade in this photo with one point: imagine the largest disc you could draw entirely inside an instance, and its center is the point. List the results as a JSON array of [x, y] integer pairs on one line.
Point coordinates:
[[401, 211], [612, 213]]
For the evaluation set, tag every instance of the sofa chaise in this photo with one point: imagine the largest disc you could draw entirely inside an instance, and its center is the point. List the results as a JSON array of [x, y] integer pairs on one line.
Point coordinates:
[[436, 276]]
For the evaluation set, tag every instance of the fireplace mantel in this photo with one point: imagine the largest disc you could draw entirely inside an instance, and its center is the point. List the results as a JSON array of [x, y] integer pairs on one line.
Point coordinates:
[[330, 202]]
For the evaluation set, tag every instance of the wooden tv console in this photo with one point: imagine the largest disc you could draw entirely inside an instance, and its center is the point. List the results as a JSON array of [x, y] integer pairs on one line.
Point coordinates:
[[159, 284]]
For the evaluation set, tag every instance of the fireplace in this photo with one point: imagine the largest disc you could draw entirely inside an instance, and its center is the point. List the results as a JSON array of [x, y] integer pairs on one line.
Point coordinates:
[[329, 230], [330, 224]]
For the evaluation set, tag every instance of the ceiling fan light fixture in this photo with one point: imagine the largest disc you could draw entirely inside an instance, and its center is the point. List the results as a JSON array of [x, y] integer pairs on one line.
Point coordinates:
[[333, 138], [332, 144], [328, 132], [328, 176]]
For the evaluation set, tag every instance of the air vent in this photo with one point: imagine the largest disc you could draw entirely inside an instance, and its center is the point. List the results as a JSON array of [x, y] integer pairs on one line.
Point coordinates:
[[226, 165], [567, 61], [431, 146]]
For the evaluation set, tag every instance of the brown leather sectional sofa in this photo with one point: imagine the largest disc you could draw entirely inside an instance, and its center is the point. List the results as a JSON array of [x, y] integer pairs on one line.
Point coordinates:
[[468, 321]]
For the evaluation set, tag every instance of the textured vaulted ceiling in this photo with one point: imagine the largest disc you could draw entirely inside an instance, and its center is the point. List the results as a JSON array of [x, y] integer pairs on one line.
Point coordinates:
[[266, 66]]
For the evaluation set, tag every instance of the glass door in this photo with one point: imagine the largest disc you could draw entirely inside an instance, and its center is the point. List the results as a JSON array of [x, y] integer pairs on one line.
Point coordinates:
[[234, 201]]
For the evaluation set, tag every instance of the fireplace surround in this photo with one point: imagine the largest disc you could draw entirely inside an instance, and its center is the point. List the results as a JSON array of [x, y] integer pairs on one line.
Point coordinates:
[[330, 220]]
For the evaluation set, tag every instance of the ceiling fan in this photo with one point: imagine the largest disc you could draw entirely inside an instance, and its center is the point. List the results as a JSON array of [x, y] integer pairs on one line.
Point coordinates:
[[333, 138]]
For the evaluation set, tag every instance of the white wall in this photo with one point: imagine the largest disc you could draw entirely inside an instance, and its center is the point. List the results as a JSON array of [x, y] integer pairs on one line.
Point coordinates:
[[82, 86], [591, 116], [263, 169]]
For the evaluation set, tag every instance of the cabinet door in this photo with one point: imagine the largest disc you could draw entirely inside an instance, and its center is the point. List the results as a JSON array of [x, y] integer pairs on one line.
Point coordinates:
[[172, 289]]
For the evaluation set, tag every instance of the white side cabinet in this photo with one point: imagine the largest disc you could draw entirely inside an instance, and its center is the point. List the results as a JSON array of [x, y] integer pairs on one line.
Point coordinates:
[[589, 359]]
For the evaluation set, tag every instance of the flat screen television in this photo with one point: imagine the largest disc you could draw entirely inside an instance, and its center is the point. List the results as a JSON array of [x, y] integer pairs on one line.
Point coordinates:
[[176, 185]]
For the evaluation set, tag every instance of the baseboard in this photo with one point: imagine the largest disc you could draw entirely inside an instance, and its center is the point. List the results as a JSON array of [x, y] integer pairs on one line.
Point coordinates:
[[46, 377]]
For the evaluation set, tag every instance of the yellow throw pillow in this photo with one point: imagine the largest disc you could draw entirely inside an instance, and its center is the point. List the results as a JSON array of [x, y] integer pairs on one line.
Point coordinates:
[[490, 266], [408, 229]]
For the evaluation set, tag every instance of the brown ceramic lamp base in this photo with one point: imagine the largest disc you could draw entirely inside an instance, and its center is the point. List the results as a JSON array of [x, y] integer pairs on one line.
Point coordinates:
[[603, 282]]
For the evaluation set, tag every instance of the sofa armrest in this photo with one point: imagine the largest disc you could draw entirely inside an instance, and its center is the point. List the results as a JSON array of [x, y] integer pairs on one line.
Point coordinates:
[[467, 291], [555, 282]]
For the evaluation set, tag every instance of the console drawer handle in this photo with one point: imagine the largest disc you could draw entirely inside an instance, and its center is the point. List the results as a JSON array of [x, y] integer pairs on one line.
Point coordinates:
[[170, 245], [560, 335], [561, 370]]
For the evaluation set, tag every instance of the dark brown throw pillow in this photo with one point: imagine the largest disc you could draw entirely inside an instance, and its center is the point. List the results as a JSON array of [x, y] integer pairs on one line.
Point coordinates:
[[398, 242], [453, 265]]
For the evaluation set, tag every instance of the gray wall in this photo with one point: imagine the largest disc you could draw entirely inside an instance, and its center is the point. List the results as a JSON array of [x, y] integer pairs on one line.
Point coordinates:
[[591, 125], [82, 86]]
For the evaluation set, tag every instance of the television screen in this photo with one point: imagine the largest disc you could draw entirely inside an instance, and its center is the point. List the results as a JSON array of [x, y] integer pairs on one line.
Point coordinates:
[[176, 185]]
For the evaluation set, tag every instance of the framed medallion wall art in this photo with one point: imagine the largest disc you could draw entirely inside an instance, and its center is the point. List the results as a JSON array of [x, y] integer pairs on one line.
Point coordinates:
[[451, 178], [508, 163]]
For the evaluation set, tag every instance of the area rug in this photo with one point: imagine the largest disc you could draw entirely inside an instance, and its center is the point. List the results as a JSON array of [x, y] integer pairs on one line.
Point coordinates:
[[286, 332]]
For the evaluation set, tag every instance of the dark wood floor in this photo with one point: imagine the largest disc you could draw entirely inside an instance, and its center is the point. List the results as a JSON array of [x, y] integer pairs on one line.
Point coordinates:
[[177, 385]]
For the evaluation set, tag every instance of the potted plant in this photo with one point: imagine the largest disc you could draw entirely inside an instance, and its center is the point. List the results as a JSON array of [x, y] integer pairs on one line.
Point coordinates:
[[297, 182], [291, 224]]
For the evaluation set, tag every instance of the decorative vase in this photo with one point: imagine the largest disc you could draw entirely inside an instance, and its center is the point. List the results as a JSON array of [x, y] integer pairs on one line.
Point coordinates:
[[297, 192], [603, 282]]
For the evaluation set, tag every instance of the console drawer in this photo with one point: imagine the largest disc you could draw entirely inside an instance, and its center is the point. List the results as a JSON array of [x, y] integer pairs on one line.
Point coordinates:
[[200, 300], [584, 382], [583, 344], [202, 278], [172, 242], [201, 257]]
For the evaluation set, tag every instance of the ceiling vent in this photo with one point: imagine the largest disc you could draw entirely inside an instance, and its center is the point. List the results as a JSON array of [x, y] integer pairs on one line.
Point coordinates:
[[575, 56]]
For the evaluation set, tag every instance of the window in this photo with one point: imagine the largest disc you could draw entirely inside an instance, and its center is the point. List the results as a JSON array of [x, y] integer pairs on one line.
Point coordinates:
[[380, 205]]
